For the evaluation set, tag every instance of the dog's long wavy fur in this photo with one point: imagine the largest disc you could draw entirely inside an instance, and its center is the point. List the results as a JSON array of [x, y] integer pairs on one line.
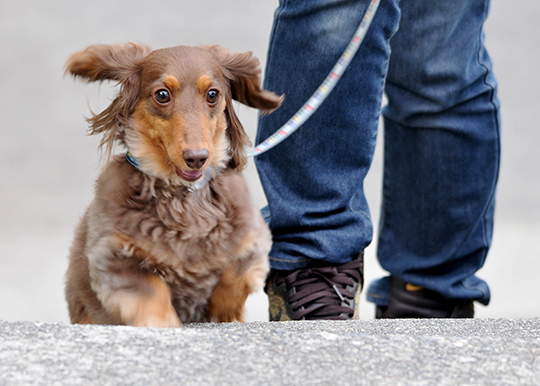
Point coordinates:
[[149, 251]]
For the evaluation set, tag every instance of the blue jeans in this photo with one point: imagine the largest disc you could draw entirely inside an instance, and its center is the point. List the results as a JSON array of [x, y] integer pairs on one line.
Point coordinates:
[[441, 141]]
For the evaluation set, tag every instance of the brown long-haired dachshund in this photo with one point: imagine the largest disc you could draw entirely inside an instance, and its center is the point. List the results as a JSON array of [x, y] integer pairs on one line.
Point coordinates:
[[171, 236]]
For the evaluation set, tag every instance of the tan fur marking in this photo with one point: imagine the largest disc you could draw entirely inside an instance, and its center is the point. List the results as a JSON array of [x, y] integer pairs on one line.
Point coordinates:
[[153, 308], [172, 83], [135, 297], [247, 244], [203, 83], [155, 135], [227, 301], [85, 319]]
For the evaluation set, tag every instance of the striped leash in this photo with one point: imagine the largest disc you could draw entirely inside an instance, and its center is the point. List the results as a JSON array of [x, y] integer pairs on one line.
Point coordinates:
[[324, 89]]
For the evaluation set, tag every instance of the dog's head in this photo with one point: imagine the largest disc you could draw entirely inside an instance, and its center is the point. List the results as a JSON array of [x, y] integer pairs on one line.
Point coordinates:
[[174, 109]]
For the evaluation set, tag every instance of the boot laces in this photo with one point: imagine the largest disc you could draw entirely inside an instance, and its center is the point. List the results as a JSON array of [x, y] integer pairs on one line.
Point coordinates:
[[323, 292]]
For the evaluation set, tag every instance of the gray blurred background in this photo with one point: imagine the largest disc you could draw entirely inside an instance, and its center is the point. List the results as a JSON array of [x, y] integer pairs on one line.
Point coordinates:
[[48, 164]]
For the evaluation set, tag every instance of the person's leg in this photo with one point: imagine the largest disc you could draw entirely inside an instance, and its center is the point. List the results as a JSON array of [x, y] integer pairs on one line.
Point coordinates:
[[313, 180], [442, 150]]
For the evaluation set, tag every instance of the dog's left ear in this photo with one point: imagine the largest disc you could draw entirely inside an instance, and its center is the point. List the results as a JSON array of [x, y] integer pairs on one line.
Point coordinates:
[[243, 71]]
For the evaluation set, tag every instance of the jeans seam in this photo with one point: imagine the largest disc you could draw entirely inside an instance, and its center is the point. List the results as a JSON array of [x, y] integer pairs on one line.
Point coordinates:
[[497, 124], [271, 45], [279, 11], [483, 217]]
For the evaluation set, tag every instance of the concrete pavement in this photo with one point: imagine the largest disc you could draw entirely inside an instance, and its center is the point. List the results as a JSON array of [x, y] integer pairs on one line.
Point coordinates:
[[380, 352]]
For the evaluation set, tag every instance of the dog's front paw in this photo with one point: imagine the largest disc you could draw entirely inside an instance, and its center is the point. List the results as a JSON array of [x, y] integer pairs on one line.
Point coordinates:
[[151, 308], [152, 315]]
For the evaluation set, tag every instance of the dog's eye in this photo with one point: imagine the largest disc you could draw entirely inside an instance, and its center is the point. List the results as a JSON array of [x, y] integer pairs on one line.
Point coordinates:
[[212, 96], [162, 96]]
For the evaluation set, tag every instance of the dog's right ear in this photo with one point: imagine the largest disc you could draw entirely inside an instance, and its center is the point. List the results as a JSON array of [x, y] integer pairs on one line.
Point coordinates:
[[100, 62], [120, 63]]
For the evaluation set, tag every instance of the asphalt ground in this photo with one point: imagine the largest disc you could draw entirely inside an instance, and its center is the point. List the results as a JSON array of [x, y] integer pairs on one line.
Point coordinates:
[[382, 352]]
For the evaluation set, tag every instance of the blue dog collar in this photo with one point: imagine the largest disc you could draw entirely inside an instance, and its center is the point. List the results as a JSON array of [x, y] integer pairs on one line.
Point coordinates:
[[132, 160]]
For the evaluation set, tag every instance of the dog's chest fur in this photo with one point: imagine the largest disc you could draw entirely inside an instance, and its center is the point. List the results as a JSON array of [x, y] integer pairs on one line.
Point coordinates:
[[186, 237]]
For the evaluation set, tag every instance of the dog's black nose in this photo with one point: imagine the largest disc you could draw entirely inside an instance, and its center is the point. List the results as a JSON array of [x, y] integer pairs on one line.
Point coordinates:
[[195, 159]]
